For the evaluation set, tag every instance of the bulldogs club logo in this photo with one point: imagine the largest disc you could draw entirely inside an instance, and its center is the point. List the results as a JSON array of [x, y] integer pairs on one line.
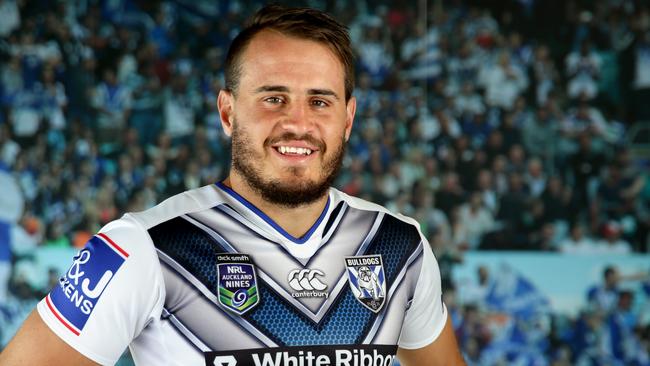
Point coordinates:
[[237, 282], [367, 280]]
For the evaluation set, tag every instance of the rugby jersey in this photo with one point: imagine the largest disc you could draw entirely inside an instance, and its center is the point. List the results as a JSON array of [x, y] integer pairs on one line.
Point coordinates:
[[206, 278]]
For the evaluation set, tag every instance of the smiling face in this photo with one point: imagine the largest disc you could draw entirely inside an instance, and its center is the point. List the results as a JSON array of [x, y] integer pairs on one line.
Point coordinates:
[[288, 119]]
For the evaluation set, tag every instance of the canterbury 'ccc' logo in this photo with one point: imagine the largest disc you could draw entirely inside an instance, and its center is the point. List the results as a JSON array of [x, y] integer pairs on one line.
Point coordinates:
[[306, 280]]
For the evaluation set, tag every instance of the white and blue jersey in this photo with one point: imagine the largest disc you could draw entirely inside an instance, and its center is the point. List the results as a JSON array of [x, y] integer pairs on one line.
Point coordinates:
[[205, 278]]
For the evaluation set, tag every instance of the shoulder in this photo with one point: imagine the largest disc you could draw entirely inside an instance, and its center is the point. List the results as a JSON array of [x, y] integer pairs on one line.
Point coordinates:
[[181, 204], [130, 233], [364, 205], [388, 225]]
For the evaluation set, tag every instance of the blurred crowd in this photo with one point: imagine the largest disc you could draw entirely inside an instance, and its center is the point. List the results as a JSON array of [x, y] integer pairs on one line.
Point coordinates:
[[499, 125], [501, 318]]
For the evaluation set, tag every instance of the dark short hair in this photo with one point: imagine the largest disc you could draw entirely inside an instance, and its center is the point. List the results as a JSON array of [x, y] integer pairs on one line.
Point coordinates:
[[304, 23]]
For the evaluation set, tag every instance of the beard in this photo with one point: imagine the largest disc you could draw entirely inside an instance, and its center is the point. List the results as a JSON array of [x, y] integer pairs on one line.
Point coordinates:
[[290, 192]]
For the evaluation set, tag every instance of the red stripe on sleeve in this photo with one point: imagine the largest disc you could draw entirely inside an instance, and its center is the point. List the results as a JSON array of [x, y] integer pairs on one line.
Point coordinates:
[[112, 243], [56, 314]]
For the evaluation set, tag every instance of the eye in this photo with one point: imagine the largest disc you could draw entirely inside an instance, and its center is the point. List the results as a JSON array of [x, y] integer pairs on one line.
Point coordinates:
[[319, 103], [273, 100]]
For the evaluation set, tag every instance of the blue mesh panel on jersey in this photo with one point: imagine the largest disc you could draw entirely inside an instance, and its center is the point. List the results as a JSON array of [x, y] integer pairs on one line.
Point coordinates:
[[395, 241], [190, 246], [347, 321], [344, 324]]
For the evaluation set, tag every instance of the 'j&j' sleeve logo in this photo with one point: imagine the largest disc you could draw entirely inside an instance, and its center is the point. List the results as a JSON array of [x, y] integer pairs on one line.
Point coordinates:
[[75, 272], [90, 273]]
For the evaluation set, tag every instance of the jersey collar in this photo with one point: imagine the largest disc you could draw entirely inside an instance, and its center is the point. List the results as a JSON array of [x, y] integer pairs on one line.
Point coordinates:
[[301, 240]]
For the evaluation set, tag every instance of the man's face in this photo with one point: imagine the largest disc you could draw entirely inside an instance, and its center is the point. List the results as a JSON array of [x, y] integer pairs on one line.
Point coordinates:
[[288, 119]]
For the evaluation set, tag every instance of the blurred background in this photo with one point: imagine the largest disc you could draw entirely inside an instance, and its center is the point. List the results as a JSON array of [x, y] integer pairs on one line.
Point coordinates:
[[517, 132]]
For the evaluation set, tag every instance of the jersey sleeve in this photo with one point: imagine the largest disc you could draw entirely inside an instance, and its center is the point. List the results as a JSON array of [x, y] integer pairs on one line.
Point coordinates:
[[108, 295], [427, 315]]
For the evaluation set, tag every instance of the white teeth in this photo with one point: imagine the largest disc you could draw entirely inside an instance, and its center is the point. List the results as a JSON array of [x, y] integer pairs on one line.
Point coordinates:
[[294, 150]]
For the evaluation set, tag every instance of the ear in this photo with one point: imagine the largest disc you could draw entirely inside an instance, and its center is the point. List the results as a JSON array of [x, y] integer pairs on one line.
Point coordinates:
[[226, 105], [351, 108]]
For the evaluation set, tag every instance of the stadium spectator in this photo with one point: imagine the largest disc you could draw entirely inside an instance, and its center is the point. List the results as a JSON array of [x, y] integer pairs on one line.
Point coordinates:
[[503, 82], [451, 193], [486, 188], [578, 243], [614, 198], [463, 66], [53, 100], [540, 134], [583, 171], [583, 68], [586, 118], [56, 236], [459, 230], [612, 242], [500, 174], [112, 101], [375, 52], [510, 133], [535, 178], [80, 88], [468, 102], [146, 112], [477, 129], [432, 220], [421, 53], [11, 209], [557, 199], [589, 341], [180, 104], [9, 149], [640, 82], [477, 219], [604, 297], [448, 257], [545, 74]]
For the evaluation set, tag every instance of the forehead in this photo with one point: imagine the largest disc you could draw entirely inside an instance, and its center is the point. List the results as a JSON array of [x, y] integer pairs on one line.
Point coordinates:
[[273, 58]]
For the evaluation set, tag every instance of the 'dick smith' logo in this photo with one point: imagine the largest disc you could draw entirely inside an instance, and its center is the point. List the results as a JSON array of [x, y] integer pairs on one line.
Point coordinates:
[[237, 282], [367, 280], [92, 270]]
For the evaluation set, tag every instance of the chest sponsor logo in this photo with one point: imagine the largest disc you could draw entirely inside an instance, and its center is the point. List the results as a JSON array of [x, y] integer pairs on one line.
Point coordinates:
[[80, 288], [229, 360], [307, 283], [367, 280], [334, 355], [237, 289]]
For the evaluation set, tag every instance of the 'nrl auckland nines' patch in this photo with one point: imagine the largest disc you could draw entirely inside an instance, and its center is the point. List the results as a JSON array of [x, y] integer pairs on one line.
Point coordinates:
[[367, 280], [237, 282]]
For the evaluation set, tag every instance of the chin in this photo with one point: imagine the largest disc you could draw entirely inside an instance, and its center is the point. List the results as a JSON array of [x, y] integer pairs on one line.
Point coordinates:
[[294, 191]]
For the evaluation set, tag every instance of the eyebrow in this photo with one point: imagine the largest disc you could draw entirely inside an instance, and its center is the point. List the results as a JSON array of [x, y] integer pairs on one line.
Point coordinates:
[[322, 92], [272, 88], [284, 89]]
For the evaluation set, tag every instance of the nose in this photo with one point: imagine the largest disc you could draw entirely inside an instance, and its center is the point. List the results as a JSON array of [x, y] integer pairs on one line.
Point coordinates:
[[298, 118]]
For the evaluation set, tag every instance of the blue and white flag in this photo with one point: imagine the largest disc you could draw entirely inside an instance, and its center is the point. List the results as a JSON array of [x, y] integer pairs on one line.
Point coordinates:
[[513, 294]]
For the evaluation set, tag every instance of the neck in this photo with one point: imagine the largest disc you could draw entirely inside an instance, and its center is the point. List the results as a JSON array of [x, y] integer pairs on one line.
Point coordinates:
[[294, 220]]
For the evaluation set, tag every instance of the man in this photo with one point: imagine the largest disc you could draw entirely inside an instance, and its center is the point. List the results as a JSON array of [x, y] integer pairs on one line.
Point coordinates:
[[604, 296], [203, 278]]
